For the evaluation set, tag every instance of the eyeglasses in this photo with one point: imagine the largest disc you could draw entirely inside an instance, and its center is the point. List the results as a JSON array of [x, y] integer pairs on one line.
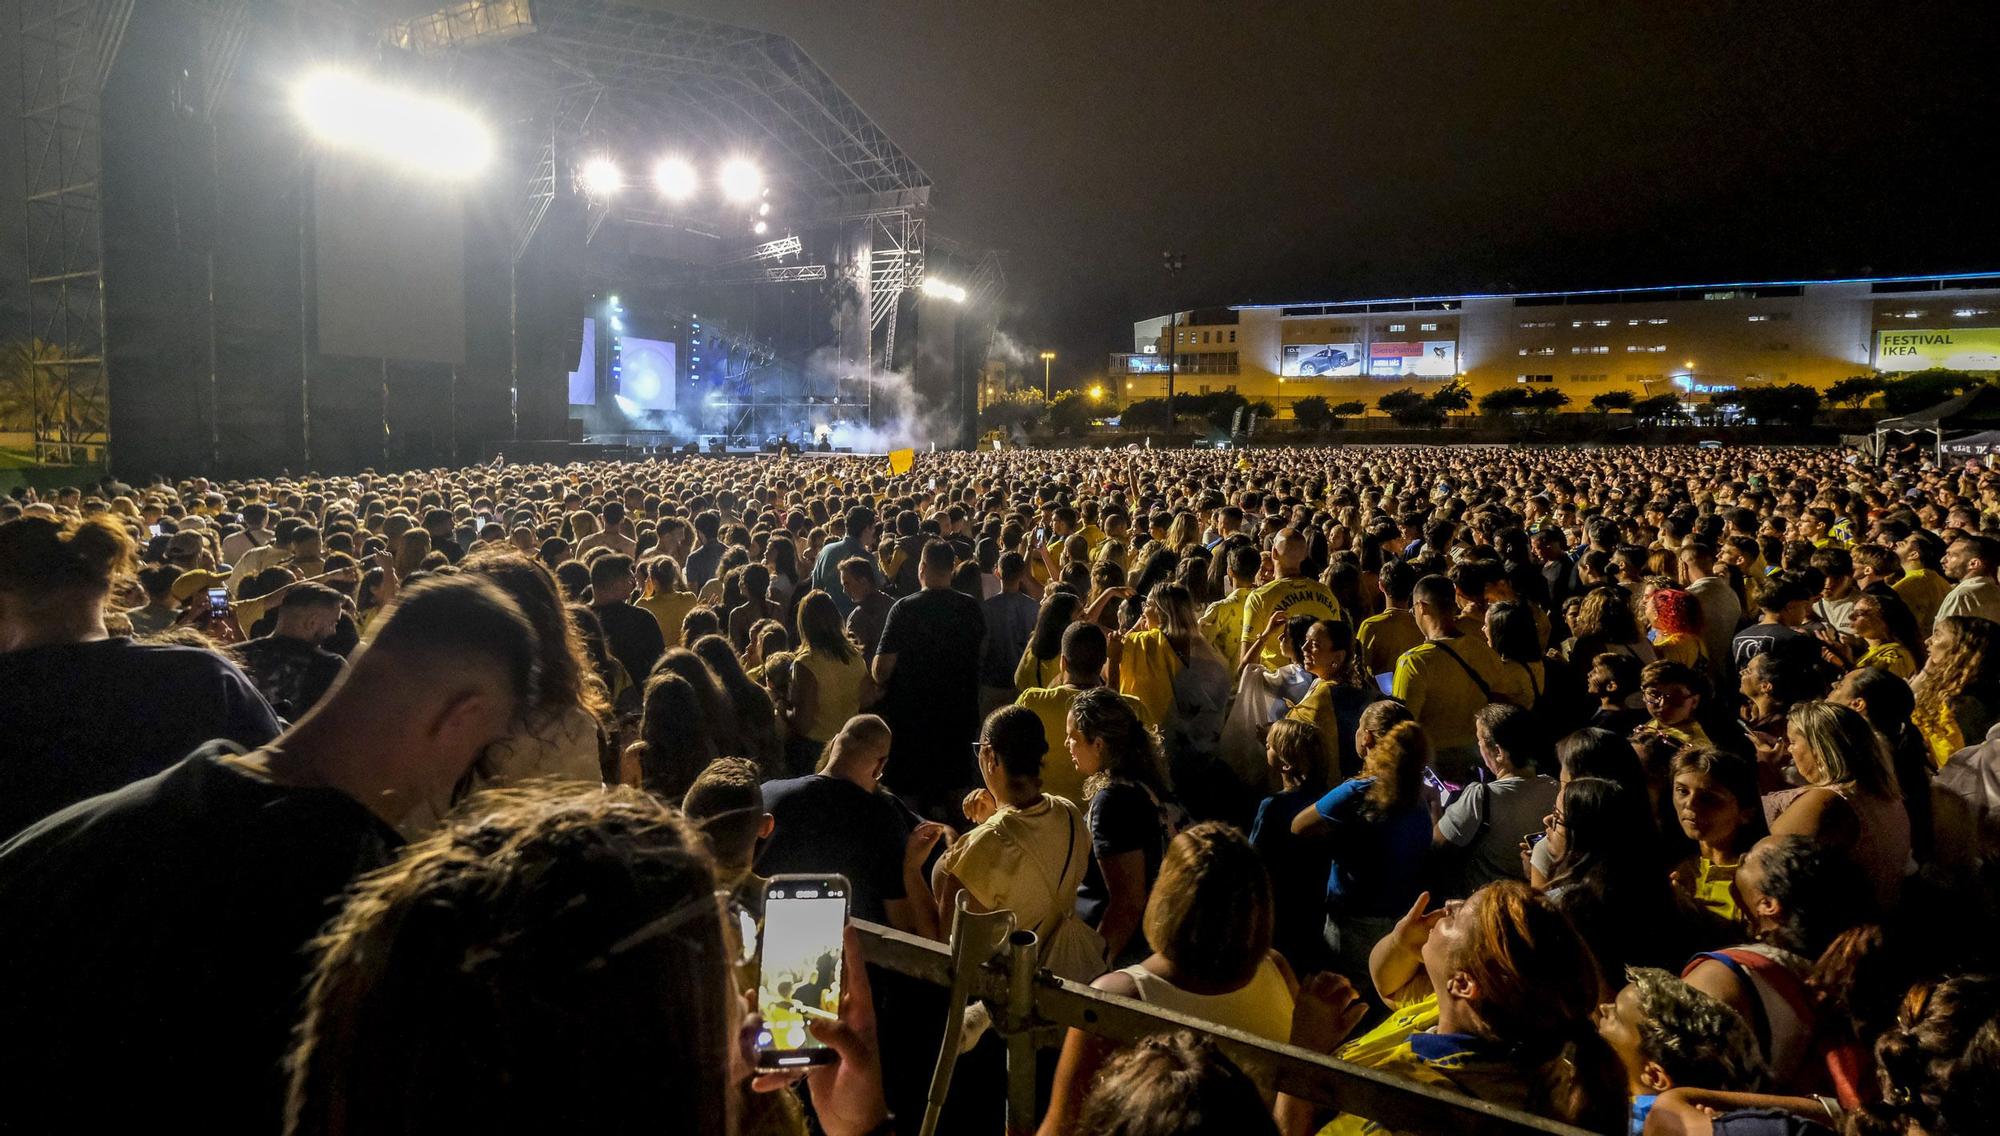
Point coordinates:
[[1663, 696]]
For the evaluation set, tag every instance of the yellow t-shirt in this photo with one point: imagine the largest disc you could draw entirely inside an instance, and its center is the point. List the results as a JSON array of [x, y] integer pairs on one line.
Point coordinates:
[[669, 608], [1222, 625], [1060, 775], [1387, 1047], [1146, 670], [1685, 649], [1711, 888], [1923, 591], [838, 687], [1294, 595], [1317, 708], [1892, 657], [1442, 696], [1030, 671], [1383, 639]]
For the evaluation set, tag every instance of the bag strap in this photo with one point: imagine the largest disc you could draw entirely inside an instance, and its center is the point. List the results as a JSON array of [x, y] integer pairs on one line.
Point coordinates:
[[1485, 691]]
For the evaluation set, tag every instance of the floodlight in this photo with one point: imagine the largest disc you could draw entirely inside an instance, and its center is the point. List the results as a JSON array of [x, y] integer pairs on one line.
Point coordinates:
[[600, 177], [676, 178], [941, 290], [764, 210], [428, 135], [760, 228], [740, 180]]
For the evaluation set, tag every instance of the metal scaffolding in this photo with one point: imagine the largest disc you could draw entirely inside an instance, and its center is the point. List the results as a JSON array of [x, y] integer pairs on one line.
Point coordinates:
[[65, 51]]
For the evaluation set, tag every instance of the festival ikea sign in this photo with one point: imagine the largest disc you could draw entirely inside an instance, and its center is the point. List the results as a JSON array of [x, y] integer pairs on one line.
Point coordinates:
[[1958, 348]]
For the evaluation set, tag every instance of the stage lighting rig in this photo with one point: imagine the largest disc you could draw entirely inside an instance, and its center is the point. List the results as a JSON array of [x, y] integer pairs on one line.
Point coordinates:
[[419, 132], [676, 178], [600, 178], [741, 181]]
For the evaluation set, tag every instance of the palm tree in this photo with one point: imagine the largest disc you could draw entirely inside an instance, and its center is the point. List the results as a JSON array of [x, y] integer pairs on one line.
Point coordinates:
[[41, 391]]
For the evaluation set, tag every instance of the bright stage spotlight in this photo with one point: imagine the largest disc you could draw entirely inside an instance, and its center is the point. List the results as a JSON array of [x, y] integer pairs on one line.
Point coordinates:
[[422, 133], [760, 228], [940, 290], [676, 178], [600, 177], [741, 181]]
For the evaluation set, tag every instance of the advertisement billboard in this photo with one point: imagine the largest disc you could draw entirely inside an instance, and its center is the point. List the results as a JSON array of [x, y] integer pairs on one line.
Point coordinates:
[[1958, 348], [1319, 360], [1430, 358]]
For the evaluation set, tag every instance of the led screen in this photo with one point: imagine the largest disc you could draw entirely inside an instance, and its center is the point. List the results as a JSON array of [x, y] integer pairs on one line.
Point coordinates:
[[645, 378], [1317, 360], [583, 380]]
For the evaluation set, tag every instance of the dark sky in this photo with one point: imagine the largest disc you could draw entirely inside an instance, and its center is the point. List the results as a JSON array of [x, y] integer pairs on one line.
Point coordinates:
[[1328, 150], [1331, 150]]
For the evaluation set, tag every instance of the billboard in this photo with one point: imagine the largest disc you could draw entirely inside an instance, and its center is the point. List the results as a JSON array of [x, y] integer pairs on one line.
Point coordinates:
[[1959, 348], [645, 379], [1319, 360], [1430, 358]]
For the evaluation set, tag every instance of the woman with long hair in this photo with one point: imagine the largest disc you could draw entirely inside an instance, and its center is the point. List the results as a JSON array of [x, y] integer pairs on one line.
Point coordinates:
[[1210, 922], [1958, 693], [1604, 624], [1129, 812], [1169, 666], [1886, 701], [1608, 876], [673, 748], [1854, 802], [1297, 757], [830, 683], [756, 604], [717, 717], [1379, 830], [1512, 633], [1886, 627], [1493, 997], [1716, 802], [666, 596], [755, 718], [781, 559], [565, 735], [1041, 663], [1338, 695], [1678, 628]]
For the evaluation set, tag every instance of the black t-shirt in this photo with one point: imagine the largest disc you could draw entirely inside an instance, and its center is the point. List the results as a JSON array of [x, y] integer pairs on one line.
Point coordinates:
[[81, 719], [932, 702], [291, 674], [152, 946], [830, 824], [634, 637], [1124, 817]]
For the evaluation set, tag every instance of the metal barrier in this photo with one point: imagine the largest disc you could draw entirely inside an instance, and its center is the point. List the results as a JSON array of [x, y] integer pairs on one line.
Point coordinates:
[[990, 960]]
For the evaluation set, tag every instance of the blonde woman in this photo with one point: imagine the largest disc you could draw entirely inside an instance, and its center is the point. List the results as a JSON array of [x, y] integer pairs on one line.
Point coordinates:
[[1854, 802], [1958, 693]]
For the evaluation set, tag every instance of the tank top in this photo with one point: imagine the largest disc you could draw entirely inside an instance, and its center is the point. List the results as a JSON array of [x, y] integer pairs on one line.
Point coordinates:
[[1882, 850], [1262, 1007]]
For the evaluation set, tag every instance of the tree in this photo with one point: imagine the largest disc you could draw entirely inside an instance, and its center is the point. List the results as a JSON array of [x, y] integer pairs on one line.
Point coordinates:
[[1608, 401], [1547, 400], [1659, 408], [1350, 409], [1919, 390], [1014, 410], [40, 392], [1794, 404], [1454, 395], [1311, 413], [1409, 408], [1852, 392], [1506, 400], [1072, 412]]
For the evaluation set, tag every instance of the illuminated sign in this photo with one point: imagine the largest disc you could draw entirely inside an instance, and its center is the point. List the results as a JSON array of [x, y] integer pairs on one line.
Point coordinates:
[[1431, 358], [1319, 360], [1959, 348]]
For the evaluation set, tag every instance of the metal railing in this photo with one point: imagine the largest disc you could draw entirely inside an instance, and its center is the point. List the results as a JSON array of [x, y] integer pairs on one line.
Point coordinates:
[[990, 960]]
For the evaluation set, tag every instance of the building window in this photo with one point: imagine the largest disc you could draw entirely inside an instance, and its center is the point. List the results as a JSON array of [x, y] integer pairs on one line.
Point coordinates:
[[1968, 313], [1397, 327], [1538, 351], [1530, 324], [1232, 335], [1427, 327], [1600, 350]]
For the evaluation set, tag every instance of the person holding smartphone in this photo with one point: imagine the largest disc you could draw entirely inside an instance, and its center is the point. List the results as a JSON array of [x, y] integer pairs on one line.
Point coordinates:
[[611, 1015]]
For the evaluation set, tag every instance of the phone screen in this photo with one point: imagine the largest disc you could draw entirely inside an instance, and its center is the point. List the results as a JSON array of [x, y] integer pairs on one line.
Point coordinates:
[[804, 920], [1386, 683], [218, 601]]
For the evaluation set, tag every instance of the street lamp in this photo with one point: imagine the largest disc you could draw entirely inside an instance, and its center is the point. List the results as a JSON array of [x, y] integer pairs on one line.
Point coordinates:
[[1096, 392], [1048, 357]]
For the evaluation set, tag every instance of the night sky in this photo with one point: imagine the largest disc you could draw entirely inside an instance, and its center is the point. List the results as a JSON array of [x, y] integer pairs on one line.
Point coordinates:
[[1347, 150]]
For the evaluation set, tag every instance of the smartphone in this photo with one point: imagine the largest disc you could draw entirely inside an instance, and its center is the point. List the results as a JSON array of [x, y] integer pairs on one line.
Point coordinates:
[[1386, 683], [218, 602], [805, 919], [1533, 838]]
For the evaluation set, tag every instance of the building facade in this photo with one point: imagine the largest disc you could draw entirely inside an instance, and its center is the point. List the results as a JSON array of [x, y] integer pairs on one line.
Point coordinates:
[[1694, 341]]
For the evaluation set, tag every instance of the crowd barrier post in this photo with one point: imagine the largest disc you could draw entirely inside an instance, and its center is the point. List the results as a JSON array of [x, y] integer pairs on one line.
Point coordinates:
[[990, 960]]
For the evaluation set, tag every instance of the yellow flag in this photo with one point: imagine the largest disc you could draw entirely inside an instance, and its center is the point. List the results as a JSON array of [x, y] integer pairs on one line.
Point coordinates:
[[900, 462]]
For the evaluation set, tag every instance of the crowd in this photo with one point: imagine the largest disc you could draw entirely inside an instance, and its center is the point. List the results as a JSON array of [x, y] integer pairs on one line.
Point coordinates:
[[1651, 790]]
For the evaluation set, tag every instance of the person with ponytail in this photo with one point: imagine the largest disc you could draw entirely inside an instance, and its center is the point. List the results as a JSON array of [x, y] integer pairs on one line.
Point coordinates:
[[1494, 996], [85, 713]]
